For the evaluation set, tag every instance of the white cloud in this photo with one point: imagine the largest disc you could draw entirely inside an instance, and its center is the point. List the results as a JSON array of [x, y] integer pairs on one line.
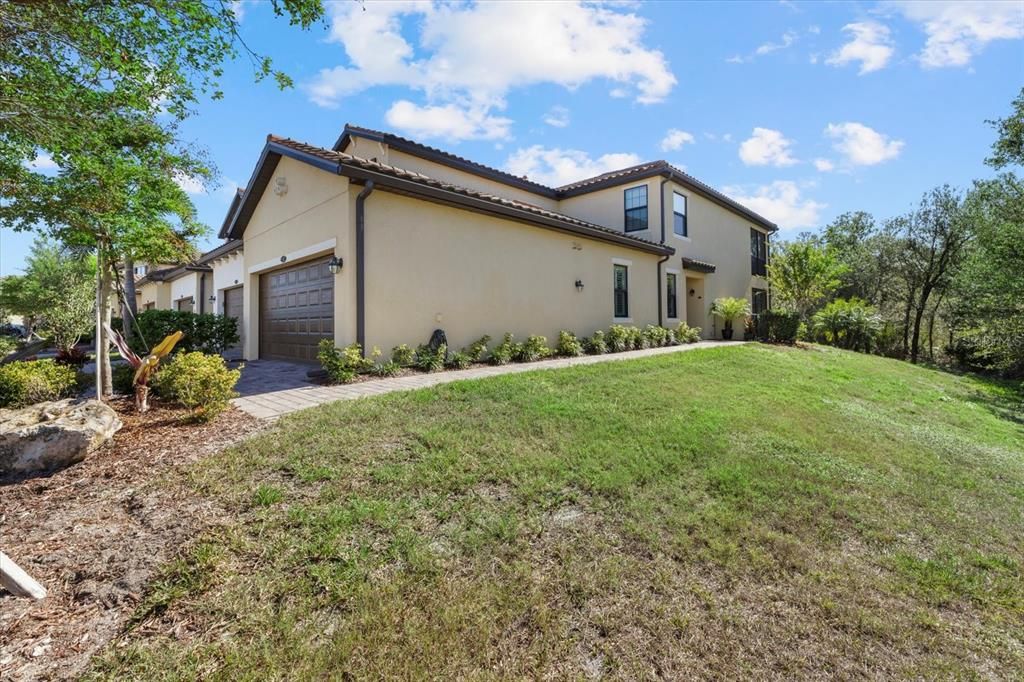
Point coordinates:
[[767, 147], [824, 165], [238, 9], [557, 116], [788, 38], [448, 121], [957, 31], [675, 139], [871, 45], [781, 203], [558, 167], [861, 145], [478, 52], [190, 184], [42, 162]]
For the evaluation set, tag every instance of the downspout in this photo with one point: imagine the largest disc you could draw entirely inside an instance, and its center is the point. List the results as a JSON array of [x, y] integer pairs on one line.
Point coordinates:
[[661, 206], [202, 293], [360, 267]]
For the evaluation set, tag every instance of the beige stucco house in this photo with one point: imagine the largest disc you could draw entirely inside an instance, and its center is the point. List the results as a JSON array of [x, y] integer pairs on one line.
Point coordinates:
[[380, 240]]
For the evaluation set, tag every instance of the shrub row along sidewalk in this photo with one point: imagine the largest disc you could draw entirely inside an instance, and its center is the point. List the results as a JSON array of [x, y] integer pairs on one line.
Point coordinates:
[[273, 404]]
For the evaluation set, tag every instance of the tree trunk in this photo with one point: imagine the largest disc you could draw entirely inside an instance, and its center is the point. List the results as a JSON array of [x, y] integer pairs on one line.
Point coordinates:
[[104, 379], [922, 305], [931, 329], [128, 305], [906, 322]]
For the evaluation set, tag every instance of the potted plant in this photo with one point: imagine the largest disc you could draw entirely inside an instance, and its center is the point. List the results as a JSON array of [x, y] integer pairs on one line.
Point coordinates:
[[730, 309]]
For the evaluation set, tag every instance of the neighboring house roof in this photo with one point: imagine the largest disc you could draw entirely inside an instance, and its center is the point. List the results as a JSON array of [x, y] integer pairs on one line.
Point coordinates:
[[235, 201], [698, 265], [225, 249], [610, 179], [410, 183]]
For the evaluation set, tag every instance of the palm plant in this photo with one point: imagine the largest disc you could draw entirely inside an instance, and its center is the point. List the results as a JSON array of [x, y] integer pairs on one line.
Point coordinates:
[[730, 309]]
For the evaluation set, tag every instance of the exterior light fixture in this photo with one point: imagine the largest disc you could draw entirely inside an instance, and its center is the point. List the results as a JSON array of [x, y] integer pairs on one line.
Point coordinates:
[[692, 292], [579, 285], [334, 265], [212, 298]]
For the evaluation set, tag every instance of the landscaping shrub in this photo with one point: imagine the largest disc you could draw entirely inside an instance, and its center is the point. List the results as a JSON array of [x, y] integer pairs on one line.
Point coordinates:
[[618, 338], [568, 344], [687, 334], [477, 350], [596, 344], [122, 377], [533, 349], [201, 382], [670, 338], [654, 336], [26, 383], [852, 324], [205, 332], [402, 355], [459, 360], [7, 345], [730, 309], [506, 351], [781, 326], [73, 357], [343, 364], [387, 369], [431, 360]]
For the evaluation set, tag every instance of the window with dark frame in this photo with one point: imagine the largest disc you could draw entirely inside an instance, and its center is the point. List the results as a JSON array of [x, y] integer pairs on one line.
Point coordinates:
[[636, 208], [679, 214], [671, 297], [758, 253], [759, 306], [621, 291]]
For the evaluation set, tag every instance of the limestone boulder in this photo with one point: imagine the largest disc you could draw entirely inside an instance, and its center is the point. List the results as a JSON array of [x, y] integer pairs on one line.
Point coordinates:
[[49, 436]]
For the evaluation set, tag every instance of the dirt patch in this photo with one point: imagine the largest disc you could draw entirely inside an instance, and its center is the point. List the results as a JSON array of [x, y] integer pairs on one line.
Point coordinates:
[[93, 534]]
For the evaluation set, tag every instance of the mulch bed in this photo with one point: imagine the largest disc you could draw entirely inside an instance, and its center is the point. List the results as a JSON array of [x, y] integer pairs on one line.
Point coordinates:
[[94, 533]]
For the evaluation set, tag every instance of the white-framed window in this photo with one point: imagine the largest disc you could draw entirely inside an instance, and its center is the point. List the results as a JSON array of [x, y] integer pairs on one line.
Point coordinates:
[[679, 226]]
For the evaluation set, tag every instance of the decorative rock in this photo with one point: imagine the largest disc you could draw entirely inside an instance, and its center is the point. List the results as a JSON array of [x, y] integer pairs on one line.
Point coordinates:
[[50, 436]]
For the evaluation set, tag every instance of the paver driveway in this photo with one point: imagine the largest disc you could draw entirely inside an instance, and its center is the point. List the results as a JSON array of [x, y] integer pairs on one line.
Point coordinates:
[[271, 388]]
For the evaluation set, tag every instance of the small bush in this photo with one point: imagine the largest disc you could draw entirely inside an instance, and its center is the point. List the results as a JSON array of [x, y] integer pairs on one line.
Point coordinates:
[[596, 344], [687, 334], [568, 345], [670, 338], [852, 324], [781, 326], [402, 355], [122, 377], [8, 345], [506, 351], [343, 364], [431, 360], [460, 360], [533, 349], [655, 336], [199, 381], [387, 369], [27, 383], [618, 338], [477, 350], [73, 357]]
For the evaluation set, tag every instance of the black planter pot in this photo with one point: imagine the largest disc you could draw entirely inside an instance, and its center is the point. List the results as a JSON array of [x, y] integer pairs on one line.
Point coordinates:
[[727, 333]]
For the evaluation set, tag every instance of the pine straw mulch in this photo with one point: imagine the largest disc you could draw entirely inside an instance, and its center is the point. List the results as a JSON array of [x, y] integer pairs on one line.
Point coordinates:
[[94, 533]]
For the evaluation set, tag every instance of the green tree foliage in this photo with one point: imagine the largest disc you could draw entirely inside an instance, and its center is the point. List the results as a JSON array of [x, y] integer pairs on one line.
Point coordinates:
[[1009, 145], [804, 273], [848, 323]]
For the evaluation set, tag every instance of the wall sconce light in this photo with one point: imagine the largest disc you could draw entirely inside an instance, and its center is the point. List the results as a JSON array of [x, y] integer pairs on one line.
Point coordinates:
[[334, 265], [692, 292], [579, 285], [213, 298]]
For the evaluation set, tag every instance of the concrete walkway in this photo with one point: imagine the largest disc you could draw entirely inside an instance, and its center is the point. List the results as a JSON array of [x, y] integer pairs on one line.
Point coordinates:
[[274, 402]]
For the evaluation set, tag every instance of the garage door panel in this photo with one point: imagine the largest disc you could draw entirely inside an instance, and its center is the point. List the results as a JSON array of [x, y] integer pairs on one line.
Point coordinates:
[[296, 311]]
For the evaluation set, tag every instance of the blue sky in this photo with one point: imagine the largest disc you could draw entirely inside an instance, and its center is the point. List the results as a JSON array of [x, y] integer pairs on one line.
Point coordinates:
[[802, 111]]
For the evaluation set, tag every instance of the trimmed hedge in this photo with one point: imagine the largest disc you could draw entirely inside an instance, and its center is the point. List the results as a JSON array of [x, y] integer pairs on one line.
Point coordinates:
[[27, 383], [206, 332], [781, 326]]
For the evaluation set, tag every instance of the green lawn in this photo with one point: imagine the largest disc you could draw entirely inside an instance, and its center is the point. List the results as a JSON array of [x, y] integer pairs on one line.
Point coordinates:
[[734, 512]]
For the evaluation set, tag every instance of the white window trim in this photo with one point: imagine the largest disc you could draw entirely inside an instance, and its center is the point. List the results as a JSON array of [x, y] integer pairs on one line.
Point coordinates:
[[622, 261]]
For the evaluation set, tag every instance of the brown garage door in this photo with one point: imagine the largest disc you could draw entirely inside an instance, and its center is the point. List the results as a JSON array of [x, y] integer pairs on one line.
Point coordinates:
[[296, 311], [233, 309]]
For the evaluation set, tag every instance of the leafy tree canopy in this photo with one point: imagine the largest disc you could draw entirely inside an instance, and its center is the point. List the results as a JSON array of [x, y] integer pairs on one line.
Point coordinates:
[[1009, 145], [803, 273]]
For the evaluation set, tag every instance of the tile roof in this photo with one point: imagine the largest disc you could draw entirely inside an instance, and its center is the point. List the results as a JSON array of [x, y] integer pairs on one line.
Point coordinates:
[[580, 187], [344, 159], [698, 265], [399, 142]]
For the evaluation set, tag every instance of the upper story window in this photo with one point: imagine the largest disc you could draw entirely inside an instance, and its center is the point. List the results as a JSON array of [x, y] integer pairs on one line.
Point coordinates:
[[636, 208], [141, 270], [758, 253], [679, 215], [621, 279]]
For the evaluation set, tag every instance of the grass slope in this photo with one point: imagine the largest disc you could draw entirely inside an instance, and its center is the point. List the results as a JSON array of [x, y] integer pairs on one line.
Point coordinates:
[[746, 511]]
